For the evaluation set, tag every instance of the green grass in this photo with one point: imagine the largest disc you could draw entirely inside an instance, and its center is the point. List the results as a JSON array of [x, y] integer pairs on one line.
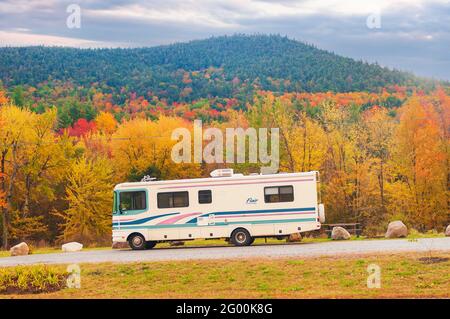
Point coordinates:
[[31, 279], [402, 276]]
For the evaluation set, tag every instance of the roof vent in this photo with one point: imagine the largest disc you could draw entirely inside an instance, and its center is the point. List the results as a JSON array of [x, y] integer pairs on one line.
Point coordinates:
[[224, 172], [268, 170]]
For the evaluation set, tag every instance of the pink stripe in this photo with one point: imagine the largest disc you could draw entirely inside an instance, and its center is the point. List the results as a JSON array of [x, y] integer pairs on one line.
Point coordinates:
[[176, 218], [251, 215], [265, 182]]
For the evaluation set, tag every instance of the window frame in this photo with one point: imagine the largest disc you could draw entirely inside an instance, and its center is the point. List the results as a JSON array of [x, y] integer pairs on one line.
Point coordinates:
[[132, 211], [210, 196], [173, 206], [279, 201]]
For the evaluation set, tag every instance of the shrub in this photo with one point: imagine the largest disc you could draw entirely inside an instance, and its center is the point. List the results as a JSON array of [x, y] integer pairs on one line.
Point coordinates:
[[33, 279]]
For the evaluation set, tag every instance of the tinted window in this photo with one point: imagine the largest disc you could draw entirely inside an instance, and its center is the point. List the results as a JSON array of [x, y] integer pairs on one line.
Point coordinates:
[[204, 197], [278, 194], [133, 200], [175, 199]]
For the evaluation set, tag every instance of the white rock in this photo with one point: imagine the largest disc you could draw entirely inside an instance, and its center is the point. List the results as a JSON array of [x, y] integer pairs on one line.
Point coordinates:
[[71, 247], [20, 249], [396, 229], [447, 231], [340, 233]]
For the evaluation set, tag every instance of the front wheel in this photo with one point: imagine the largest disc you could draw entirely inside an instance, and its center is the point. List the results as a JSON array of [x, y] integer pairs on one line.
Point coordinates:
[[137, 242], [241, 237]]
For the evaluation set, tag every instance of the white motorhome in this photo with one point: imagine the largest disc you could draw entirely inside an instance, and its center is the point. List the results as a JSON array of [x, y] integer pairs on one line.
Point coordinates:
[[232, 206]]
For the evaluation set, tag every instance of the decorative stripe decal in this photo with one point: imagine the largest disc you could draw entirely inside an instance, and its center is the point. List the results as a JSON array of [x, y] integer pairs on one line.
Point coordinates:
[[276, 214], [225, 214], [176, 218], [141, 221], [262, 211], [275, 221], [242, 183]]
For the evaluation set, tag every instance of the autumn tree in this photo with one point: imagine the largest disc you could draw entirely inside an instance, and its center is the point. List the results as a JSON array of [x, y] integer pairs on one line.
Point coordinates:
[[418, 181], [15, 128], [142, 147], [89, 197], [302, 139], [106, 123], [380, 131]]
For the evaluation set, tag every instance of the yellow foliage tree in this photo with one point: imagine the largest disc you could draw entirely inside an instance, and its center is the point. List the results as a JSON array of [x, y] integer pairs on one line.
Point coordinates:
[[418, 188], [89, 196], [106, 123], [302, 139], [143, 147]]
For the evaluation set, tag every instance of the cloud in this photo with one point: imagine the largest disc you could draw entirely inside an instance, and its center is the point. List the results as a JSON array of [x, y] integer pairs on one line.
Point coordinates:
[[414, 34], [26, 39]]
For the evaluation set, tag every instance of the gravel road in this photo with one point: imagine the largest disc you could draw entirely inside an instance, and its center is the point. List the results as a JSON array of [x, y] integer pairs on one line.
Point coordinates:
[[298, 250]]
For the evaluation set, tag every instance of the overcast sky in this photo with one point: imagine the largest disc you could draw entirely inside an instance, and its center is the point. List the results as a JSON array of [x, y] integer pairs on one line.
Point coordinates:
[[412, 35]]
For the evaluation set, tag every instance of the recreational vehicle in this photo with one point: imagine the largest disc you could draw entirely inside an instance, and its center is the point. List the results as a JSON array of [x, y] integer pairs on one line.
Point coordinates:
[[232, 206]]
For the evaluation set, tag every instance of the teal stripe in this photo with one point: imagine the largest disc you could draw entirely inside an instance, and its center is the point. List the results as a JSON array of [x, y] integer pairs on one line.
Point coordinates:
[[142, 221], [276, 221], [304, 209]]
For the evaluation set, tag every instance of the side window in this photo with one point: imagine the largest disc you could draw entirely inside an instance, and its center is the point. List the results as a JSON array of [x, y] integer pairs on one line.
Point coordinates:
[[133, 200], [204, 197], [175, 199], [278, 194]]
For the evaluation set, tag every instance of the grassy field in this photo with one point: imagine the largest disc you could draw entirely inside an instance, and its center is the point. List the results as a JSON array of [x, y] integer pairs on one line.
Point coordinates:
[[402, 275]]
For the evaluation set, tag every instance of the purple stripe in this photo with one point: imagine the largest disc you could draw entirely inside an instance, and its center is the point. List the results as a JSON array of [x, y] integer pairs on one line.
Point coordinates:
[[251, 215]]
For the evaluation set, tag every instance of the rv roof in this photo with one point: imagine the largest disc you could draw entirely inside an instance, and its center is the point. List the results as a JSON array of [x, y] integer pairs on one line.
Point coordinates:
[[208, 179]]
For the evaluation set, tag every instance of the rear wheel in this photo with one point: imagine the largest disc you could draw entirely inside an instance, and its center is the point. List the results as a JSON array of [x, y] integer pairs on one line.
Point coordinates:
[[241, 237], [137, 242]]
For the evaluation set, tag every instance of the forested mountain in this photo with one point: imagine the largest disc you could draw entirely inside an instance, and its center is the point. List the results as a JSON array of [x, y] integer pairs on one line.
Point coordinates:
[[227, 66], [73, 123]]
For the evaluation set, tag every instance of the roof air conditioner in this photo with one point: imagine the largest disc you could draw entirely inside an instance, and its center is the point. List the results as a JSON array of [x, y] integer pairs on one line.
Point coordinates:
[[224, 172]]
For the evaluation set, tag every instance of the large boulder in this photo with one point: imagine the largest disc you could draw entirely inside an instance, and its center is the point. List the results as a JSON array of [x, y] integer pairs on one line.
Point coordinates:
[[20, 249], [396, 229], [295, 237], [447, 231], [71, 247], [340, 233]]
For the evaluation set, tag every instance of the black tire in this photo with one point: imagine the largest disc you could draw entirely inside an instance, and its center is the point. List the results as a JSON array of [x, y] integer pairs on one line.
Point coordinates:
[[241, 237], [137, 242], [252, 240], [150, 244]]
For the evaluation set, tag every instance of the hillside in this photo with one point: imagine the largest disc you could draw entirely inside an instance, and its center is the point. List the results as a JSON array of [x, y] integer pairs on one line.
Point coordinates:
[[228, 66]]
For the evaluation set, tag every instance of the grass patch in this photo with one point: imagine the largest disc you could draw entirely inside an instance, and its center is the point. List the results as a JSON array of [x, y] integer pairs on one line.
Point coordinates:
[[31, 279], [402, 276]]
